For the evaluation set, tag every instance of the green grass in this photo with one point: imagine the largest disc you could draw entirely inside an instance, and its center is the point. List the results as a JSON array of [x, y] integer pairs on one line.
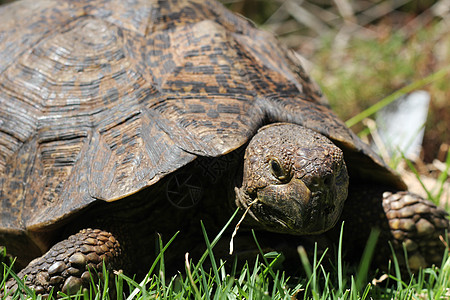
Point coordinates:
[[262, 280], [259, 281], [370, 69], [435, 193]]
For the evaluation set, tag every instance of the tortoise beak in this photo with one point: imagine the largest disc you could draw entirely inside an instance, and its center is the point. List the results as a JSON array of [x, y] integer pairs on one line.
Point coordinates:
[[293, 208]]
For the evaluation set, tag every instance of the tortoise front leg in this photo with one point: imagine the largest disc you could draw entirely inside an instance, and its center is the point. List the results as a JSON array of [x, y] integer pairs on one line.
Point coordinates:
[[417, 225], [405, 220], [69, 264]]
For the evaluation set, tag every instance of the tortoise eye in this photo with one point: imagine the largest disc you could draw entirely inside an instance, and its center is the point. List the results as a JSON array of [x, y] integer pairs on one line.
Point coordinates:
[[277, 170]]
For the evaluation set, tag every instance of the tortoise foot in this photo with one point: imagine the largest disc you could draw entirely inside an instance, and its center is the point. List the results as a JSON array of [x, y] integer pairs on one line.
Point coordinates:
[[416, 225], [70, 264]]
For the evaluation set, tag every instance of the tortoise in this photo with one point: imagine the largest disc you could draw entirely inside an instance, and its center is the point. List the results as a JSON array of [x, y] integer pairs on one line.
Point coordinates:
[[123, 119]]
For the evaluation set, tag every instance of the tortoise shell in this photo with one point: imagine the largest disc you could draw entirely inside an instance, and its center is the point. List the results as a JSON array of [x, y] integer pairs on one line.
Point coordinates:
[[101, 99]]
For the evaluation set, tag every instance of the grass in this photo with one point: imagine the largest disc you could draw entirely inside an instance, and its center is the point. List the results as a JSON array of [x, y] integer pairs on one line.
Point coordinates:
[[434, 194], [262, 280], [416, 85], [259, 281], [370, 69]]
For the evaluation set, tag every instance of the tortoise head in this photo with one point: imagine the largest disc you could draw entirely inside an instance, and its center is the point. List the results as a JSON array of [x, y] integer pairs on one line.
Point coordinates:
[[296, 178]]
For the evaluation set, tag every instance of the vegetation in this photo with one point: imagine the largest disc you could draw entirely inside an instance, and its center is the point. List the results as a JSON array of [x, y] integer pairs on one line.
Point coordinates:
[[262, 280]]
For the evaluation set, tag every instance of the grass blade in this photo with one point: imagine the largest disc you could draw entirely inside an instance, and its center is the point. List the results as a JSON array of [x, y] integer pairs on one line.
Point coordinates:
[[340, 271], [366, 259], [392, 97]]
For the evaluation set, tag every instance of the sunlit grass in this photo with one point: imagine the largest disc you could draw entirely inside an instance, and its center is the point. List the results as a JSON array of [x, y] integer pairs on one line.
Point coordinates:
[[212, 278], [260, 280]]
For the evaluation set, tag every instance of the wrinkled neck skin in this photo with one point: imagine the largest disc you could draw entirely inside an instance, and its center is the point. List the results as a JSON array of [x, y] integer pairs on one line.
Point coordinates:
[[294, 181]]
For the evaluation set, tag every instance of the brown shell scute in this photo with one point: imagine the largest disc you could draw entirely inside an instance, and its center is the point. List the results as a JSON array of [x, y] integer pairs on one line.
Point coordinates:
[[99, 99]]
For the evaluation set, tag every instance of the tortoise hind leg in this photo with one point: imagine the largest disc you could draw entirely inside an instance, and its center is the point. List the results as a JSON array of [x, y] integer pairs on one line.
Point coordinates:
[[404, 220], [68, 264]]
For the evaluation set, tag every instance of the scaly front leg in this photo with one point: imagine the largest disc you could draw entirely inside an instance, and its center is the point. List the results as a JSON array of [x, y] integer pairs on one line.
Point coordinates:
[[404, 219], [69, 264]]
